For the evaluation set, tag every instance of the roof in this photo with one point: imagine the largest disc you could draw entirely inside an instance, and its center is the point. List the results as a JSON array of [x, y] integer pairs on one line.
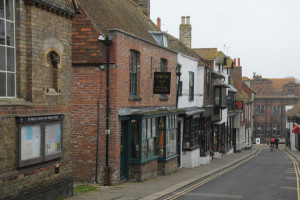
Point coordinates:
[[176, 45], [245, 78], [295, 110], [221, 58], [277, 83], [67, 6], [217, 74], [122, 15], [229, 63], [207, 53]]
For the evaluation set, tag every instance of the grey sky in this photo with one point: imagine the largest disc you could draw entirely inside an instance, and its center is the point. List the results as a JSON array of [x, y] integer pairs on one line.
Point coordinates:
[[265, 34]]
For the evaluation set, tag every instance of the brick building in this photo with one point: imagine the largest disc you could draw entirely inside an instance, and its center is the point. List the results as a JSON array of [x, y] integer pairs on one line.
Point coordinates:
[[121, 129], [273, 97], [35, 99]]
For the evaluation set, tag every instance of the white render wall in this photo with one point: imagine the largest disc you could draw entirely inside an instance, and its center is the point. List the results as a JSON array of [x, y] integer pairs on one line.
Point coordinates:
[[189, 64]]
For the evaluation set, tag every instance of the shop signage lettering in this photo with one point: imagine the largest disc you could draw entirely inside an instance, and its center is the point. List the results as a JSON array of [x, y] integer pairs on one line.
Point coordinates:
[[42, 118], [162, 82]]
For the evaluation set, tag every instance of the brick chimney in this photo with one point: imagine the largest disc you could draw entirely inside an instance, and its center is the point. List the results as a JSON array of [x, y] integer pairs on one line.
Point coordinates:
[[158, 24], [144, 5], [185, 31], [234, 63], [239, 62]]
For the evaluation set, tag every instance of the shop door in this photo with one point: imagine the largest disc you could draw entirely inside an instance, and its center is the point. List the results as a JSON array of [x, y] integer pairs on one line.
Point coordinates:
[[124, 151]]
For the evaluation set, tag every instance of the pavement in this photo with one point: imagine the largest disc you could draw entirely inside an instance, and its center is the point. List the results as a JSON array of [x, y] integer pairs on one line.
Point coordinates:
[[162, 185]]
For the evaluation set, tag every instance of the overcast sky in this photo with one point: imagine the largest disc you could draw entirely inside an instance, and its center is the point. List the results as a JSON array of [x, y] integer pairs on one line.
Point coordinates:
[[264, 34]]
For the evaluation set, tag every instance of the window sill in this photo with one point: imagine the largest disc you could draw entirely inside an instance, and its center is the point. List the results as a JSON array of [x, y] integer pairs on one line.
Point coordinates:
[[135, 99], [14, 102], [163, 98]]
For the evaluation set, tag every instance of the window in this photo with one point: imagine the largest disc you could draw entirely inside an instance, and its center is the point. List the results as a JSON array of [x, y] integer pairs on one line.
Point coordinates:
[[217, 96], [276, 130], [191, 133], [39, 141], [191, 86], [135, 140], [180, 88], [260, 130], [7, 49], [260, 91], [260, 109], [149, 134], [207, 83], [171, 128], [53, 59], [133, 69], [291, 92], [276, 110]]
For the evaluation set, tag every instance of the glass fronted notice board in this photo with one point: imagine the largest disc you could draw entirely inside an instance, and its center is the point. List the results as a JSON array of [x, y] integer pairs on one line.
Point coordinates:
[[39, 138]]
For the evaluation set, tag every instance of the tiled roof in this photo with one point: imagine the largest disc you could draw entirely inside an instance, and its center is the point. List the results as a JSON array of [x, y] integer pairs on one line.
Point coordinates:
[[245, 78], [176, 45], [229, 63], [277, 83], [64, 5], [295, 110], [207, 53], [122, 15]]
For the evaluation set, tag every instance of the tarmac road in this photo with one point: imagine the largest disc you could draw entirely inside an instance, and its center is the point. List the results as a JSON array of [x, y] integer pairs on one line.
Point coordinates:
[[266, 176]]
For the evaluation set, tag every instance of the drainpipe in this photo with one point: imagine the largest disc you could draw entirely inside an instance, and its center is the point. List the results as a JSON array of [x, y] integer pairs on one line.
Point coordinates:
[[107, 42], [178, 73]]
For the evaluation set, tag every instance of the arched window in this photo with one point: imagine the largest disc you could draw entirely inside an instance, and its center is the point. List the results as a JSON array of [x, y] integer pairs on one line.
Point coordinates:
[[53, 59]]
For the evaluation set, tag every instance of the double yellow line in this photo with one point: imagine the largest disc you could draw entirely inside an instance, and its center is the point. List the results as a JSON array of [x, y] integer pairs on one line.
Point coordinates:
[[297, 172], [211, 178]]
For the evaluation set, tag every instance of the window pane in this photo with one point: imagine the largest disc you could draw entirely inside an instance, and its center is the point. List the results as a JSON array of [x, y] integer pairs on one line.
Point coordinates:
[[30, 142], [2, 58], [11, 85], [2, 32], [149, 135], [11, 59], [154, 132], [9, 10], [151, 147], [1, 9], [144, 134], [52, 139], [10, 39], [144, 149], [2, 84], [135, 139]]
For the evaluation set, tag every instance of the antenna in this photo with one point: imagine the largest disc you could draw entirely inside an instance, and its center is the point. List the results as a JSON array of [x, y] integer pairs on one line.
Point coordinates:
[[226, 48]]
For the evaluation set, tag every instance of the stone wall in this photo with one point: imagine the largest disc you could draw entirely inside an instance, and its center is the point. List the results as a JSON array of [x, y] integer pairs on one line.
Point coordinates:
[[143, 172], [167, 167]]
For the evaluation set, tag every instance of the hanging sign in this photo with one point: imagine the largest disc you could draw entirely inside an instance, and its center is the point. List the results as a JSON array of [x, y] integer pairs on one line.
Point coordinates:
[[296, 129], [162, 82], [239, 105]]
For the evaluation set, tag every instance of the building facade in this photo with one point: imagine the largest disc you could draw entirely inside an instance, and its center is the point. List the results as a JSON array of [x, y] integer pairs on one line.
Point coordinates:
[[272, 98], [35, 99]]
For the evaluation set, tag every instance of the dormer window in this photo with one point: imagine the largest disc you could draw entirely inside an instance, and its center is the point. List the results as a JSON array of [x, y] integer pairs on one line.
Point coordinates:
[[291, 92], [260, 91], [160, 38]]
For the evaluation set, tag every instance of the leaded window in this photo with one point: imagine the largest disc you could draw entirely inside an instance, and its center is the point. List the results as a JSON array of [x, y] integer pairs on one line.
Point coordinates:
[[7, 49], [149, 135], [171, 129]]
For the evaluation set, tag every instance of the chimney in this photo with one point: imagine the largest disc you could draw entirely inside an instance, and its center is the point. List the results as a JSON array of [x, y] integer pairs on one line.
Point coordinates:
[[185, 31], [234, 64], [239, 62], [144, 5], [158, 23]]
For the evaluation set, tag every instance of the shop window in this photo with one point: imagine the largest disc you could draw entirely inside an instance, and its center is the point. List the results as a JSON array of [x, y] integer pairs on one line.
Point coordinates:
[[276, 130], [7, 49], [191, 133], [260, 109], [149, 135], [40, 139], [133, 72], [276, 110], [135, 140], [171, 130]]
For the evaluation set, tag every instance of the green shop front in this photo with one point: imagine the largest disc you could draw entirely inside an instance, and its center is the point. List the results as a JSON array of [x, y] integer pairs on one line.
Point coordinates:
[[148, 142]]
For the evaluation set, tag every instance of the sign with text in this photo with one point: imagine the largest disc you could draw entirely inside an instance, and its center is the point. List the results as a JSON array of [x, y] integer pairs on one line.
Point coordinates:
[[42, 118], [162, 82]]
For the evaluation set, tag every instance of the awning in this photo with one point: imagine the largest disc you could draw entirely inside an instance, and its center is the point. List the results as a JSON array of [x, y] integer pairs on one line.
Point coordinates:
[[296, 129], [194, 110], [231, 88], [219, 83]]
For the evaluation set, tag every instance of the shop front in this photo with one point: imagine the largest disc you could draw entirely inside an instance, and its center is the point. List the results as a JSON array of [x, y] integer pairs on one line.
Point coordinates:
[[148, 143]]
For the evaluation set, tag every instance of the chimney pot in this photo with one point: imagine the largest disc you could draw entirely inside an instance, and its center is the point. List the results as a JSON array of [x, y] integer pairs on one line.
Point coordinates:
[[187, 19], [234, 62], [182, 20], [159, 23], [239, 62]]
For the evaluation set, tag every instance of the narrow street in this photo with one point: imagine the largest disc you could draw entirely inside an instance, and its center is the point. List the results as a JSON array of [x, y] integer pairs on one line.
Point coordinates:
[[266, 176]]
